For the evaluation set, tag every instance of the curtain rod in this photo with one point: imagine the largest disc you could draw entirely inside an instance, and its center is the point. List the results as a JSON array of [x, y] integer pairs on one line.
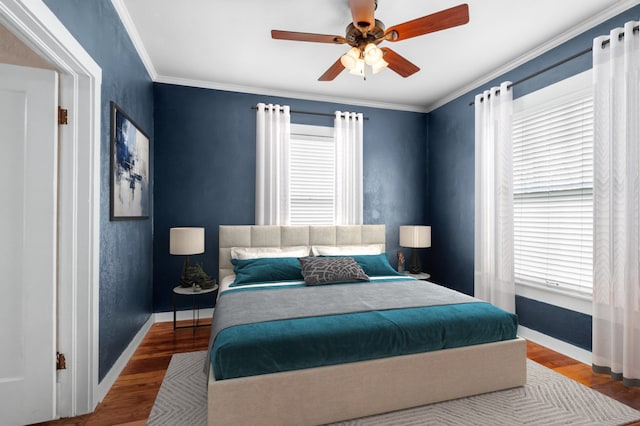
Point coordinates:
[[311, 113], [564, 61]]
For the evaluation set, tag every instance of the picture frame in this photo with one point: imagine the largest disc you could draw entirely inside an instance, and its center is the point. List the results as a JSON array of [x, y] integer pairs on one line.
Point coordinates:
[[129, 173]]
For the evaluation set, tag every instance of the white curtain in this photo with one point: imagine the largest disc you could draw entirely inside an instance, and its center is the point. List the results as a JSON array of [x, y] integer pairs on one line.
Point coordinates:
[[273, 130], [348, 197], [616, 260], [493, 251]]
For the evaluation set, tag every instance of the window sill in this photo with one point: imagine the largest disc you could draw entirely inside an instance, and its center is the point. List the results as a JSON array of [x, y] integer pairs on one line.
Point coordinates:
[[552, 296]]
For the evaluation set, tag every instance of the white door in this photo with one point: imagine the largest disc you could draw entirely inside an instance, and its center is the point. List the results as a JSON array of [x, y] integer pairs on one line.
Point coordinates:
[[28, 187]]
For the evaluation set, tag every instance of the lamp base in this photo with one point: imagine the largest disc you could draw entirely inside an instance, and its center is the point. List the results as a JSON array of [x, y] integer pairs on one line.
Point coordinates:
[[184, 282], [414, 267]]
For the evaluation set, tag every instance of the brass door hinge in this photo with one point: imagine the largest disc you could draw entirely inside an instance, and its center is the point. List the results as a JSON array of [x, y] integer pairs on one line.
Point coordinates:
[[61, 361], [63, 116]]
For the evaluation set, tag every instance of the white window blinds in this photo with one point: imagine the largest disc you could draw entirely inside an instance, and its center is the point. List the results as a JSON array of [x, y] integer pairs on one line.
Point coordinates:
[[312, 175], [553, 193]]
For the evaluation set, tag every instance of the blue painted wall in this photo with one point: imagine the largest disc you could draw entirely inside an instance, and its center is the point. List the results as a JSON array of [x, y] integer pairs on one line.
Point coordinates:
[[205, 169], [125, 246], [451, 185], [203, 173]]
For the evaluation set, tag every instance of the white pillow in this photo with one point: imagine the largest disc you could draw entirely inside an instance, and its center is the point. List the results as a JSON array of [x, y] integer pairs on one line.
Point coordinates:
[[244, 253], [346, 250]]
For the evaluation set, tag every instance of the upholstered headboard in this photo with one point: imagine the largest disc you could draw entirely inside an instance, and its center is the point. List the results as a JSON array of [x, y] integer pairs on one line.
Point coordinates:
[[288, 236]]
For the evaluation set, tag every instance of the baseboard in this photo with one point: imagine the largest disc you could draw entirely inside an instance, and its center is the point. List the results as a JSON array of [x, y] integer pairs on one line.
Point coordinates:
[[105, 385], [205, 313], [564, 348]]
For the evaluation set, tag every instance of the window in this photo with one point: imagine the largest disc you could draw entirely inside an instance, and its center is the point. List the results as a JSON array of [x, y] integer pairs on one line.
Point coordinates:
[[553, 188], [325, 176], [312, 175]]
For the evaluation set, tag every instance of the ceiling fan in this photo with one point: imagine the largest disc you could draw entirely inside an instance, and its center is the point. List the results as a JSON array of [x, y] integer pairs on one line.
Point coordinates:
[[365, 33]]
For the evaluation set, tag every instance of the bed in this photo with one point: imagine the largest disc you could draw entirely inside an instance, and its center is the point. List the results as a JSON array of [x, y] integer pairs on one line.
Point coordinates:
[[343, 387]]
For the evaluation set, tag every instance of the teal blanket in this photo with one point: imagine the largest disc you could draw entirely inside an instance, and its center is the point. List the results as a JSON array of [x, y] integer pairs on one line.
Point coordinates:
[[304, 341]]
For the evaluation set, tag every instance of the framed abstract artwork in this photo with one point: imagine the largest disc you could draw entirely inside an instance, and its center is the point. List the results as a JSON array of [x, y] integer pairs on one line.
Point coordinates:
[[129, 168]]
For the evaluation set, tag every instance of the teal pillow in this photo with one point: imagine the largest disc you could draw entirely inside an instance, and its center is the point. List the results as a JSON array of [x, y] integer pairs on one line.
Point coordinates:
[[375, 264], [249, 271]]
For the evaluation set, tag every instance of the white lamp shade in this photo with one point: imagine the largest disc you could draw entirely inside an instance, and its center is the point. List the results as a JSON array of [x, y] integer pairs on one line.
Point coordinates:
[[186, 241], [415, 236]]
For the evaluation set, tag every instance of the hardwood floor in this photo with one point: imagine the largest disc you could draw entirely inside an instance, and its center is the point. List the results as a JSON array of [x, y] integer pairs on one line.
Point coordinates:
[[131, 398], [132, 395]]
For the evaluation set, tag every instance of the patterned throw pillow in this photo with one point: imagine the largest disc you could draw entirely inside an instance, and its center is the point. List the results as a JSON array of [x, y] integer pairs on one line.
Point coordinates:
[[328, 270]]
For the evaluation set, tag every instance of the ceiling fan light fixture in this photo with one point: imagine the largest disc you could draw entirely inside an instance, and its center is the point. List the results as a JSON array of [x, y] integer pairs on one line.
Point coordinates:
[[372, 54], [379, 66], [349, 60], [358, 69]]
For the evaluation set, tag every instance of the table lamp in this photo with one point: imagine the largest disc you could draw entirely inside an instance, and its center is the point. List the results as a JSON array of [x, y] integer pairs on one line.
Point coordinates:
[[415, 237], [185, 242]]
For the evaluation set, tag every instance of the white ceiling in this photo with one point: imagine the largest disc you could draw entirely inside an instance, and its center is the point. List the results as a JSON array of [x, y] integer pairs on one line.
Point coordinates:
[[226, 44]]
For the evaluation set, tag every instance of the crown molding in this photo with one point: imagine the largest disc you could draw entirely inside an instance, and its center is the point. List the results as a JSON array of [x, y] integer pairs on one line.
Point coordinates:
[[614, 10], [287, 94], [125, 18]]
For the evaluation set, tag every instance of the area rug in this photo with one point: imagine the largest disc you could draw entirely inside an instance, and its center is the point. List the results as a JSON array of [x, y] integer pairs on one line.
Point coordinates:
[[547, 399]]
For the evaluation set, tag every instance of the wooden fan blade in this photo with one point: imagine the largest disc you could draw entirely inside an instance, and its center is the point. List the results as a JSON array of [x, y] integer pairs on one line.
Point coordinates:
[[363, 13], [315, 38], [333, 71], [457, 15], [398, 63]]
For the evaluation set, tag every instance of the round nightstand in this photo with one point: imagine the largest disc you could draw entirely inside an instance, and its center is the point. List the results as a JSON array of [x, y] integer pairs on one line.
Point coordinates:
[[190, 291]]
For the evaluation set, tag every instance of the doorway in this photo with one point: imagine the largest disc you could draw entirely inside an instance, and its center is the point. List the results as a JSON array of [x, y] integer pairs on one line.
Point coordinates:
[[78, 199]]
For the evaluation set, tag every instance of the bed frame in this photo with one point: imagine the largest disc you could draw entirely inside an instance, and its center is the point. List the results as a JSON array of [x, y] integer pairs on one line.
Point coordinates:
[[329, 394]]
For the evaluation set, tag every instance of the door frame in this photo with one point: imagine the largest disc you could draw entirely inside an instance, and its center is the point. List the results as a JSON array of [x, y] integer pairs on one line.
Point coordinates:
[[78, 199]]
